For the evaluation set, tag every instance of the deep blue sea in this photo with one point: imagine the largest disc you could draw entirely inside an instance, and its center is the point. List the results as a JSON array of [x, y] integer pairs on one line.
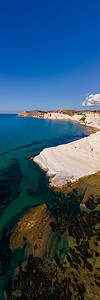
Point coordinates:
[[22, 183]]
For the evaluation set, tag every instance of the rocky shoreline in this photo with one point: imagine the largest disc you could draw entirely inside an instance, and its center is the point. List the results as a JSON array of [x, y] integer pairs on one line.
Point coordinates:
[[72, 236]]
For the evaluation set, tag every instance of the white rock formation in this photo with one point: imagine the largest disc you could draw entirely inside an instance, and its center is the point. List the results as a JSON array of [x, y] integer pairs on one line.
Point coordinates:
[[71, 161]]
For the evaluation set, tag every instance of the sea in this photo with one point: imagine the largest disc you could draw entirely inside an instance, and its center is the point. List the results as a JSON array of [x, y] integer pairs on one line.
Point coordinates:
[[22, 183]]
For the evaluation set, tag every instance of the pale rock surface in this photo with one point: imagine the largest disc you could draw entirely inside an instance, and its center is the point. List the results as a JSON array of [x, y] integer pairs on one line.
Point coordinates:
[[71, 161]]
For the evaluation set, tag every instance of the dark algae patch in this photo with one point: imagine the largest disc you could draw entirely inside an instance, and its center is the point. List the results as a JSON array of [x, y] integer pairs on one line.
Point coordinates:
[[73, 271], [10, 179], [9, 260], [35, 145]]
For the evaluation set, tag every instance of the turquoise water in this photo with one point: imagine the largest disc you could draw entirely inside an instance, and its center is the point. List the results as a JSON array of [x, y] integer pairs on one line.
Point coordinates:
[[22, 183]]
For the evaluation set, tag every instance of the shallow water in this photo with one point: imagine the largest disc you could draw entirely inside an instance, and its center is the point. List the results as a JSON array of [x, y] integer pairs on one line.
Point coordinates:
[[22, 183]]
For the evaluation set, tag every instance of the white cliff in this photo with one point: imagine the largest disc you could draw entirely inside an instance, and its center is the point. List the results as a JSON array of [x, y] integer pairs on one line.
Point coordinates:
[[71, 161]]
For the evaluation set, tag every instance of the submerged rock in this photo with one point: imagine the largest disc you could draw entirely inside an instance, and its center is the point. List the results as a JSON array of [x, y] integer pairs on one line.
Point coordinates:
[[34, 231]]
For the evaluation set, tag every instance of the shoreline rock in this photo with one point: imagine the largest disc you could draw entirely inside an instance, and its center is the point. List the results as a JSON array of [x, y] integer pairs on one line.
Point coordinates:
[[34, 232], [78, 275], [71, 161]]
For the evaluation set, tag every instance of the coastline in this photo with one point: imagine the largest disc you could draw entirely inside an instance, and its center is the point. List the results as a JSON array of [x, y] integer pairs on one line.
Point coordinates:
[[87, 118], [72, 161]]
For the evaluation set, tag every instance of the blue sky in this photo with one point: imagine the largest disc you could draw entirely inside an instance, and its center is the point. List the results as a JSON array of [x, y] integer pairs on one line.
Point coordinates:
[[49, 53]]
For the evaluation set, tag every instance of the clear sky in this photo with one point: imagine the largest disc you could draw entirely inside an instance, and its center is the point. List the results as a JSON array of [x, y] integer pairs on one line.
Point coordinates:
[[49, 53]]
